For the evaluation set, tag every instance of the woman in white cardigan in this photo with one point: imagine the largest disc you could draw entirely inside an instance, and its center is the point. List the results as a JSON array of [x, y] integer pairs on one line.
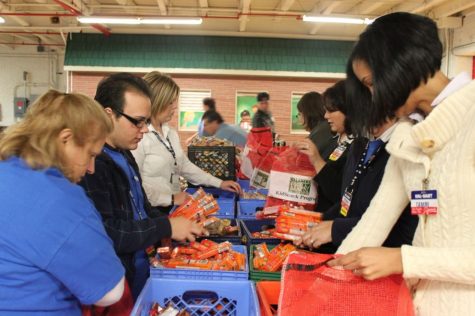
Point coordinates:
[[159, 155], [397, 62]]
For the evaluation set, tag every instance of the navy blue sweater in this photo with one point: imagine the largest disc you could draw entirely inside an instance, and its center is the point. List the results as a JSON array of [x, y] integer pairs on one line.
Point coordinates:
[[404, 229]]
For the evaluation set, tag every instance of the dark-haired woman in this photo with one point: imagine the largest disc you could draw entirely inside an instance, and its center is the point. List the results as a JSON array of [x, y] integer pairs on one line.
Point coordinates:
[[432, 165], [311, 115], [329, 166]]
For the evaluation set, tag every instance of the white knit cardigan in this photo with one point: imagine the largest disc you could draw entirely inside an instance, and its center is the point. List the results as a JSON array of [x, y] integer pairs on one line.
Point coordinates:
[[442, 257]]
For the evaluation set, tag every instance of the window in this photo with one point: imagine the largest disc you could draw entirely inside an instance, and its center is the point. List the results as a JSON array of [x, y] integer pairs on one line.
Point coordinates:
[[191, 109]]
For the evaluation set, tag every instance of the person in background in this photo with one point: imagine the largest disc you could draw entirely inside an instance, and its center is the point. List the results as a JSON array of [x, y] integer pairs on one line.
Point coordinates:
[[263, 116], [214, 125], [159, 155], [330, 169], [209, 104], [116, 186], [55, 253], [431, 165], [311, 113], [245, 122]]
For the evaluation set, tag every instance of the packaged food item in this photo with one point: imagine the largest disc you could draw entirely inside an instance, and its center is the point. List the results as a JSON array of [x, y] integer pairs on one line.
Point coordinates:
[[219, 227], [206, 255], [271, 261], [292, 223], [170, 310], [253, 195], [209, 141]]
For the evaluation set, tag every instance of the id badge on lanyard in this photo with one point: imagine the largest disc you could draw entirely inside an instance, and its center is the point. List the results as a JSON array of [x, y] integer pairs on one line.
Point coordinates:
[[424, 202], [345, 203], [337, 152]]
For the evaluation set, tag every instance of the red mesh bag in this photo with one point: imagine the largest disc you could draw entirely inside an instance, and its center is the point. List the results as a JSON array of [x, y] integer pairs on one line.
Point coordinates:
[[311, 288], [291, 181], [260, 175], [259, 142]]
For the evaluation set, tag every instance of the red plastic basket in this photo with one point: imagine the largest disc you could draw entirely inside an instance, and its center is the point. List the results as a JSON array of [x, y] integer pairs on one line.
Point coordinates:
[[268, 295]]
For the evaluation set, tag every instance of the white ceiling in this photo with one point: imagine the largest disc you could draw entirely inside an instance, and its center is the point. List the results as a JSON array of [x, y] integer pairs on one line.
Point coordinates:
[[28, 22]]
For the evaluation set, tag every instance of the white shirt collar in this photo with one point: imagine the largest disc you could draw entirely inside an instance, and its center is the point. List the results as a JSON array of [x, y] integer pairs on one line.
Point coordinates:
[[455, 84], [165, 130], [387, 133]]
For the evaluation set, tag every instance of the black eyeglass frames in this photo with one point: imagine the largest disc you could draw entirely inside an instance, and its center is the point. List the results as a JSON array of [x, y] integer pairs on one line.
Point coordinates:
[[139, 123]]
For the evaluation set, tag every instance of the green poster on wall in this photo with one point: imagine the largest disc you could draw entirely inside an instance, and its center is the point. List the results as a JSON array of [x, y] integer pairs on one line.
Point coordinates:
[[296, 127], [189, 120], [245, 101]]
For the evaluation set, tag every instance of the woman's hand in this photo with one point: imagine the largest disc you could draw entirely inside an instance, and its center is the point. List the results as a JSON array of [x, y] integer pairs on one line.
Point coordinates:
[[184, 229], [180, 198], [231, 186], [371, 263], [317, 236], [308, 147]]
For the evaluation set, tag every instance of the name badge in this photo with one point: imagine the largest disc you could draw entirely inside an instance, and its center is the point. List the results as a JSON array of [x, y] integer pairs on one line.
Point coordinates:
[[345, 203], [424, 202], [337, 153]]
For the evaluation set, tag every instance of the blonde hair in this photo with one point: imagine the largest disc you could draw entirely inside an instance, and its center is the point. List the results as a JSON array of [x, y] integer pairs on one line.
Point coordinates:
[[164, 91], [35, 138]]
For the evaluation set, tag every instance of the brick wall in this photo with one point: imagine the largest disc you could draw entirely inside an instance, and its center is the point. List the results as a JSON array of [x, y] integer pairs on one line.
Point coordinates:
[[224, 88]]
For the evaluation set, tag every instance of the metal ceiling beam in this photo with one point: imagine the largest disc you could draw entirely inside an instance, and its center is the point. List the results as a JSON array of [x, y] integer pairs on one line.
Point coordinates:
[[204, 7], [104, 30], [245, 7], [324, 8], [366, 7], [421, 8], [26, 38], [22, 22], [285, 5], [162, 6], [452, 7]]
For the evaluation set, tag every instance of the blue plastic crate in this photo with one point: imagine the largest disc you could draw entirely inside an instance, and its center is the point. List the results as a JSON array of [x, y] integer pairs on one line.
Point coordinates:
[[246, 209], [226, 201], [196, 274], [255, 225], [200, 297], [245, 184]]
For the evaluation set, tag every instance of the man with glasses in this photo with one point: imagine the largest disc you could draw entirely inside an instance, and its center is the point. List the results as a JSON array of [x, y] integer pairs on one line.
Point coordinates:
[[116, 186]]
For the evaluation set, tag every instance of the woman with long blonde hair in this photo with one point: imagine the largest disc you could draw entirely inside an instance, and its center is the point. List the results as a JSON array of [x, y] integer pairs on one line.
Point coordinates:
[[55, 253]]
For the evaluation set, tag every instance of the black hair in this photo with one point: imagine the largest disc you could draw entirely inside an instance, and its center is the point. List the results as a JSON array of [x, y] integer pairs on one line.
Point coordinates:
[[402, 50], [212, 116], [244, 113], [111, 90], [210, 102], [263, 96], [311, 107], [334, 99]]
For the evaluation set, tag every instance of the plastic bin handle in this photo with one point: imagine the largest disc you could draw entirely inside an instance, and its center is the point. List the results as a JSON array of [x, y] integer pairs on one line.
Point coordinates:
[[194, 295]]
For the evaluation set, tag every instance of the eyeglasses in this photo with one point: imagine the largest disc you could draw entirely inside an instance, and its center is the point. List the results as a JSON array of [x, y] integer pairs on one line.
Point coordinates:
[[139, 123]]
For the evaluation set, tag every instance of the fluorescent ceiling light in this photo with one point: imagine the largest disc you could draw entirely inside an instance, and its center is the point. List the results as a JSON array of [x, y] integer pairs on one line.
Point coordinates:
[[137, 21], [2, 20], [335, 19]]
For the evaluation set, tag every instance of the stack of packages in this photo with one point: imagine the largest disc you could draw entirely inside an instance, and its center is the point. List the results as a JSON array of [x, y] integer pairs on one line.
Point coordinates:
[[292, 223], [271, 261], [204, 255], [158, 310], [198, 207]]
